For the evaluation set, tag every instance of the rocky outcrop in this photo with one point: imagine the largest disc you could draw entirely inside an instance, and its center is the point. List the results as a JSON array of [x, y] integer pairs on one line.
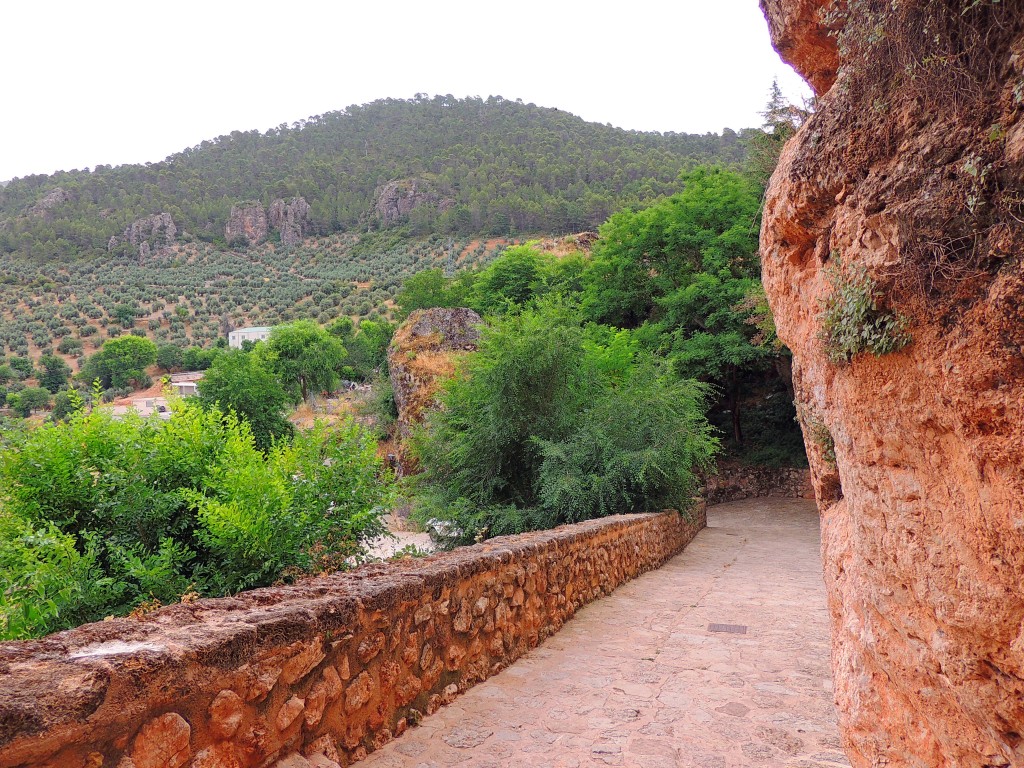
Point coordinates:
[[250, 223], [44, 206], [290, 218], [911, 170], [422, 354], [147, 235], [317, 673], [394, 201], [247, 224]]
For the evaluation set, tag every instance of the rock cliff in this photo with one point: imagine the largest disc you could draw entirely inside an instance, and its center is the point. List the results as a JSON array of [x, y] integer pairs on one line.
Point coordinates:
[[147, 235], [290, 218], [395, 200], [247, 222], [422, 354], [909, 174]]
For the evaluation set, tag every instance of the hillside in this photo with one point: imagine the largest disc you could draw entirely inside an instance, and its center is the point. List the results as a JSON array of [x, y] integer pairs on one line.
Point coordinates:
[[186, 293], [433, 165]]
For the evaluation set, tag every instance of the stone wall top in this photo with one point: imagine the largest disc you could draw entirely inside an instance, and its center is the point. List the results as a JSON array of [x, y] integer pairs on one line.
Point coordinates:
[[331, 667]]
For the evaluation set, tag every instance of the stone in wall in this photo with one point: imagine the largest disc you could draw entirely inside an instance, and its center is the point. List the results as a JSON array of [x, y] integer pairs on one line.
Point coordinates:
[[317, 673], [247, 222], [733, 482], [922, 497], [290, 218]]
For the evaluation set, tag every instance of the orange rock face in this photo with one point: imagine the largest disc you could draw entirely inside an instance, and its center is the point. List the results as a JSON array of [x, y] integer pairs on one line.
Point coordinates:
[[912, 168]]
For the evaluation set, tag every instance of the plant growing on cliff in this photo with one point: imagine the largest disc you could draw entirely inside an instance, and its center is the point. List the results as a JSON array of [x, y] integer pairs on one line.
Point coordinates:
[[853, 317]]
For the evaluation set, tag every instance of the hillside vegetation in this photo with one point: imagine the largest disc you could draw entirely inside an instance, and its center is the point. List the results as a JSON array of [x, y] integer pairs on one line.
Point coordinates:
[[487, 167]]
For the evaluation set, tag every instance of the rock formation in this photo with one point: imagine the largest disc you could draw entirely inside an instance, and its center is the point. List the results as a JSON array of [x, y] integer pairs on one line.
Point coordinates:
[[248, 223], [395, 200], [290, 218], [911, 169], [422, 354], [55, 198], [147, 235]]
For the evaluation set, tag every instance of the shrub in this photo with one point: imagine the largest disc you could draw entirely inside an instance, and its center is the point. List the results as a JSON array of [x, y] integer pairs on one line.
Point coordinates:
[[547, 426], [854, 319], [144, 508]]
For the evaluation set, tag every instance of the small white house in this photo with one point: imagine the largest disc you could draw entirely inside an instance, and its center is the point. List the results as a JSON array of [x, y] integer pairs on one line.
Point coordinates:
[[186, 384], [253, 334]]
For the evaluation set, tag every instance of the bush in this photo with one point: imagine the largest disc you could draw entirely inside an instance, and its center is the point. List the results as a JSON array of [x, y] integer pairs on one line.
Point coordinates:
[[102, 515], [549, 424]]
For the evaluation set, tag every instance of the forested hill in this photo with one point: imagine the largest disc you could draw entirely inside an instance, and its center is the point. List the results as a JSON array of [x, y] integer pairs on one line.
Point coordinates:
[[433, 165]]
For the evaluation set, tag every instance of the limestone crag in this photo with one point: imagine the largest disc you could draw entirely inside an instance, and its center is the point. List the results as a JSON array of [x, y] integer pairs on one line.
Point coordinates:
[[290, 218], [394, 201], [422, 354], [907, 170], [147, 235], [247, 223], [52, 200]]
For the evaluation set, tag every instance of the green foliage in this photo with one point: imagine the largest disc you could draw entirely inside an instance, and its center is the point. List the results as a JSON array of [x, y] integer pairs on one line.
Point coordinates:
[[422, 290], [367, 347], [305, 357], [120, 362], [54, 373], [485, 166], [169, 357], [22, 366], [28, 399], [99, 515], [48, 583], [240, 382], [541, 429], [853, 318]]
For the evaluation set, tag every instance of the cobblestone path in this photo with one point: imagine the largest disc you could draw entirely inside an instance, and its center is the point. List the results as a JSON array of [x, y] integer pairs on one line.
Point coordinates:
[[638, 679]]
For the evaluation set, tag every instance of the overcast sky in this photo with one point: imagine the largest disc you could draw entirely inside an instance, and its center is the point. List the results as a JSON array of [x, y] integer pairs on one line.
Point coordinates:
[[103, 82]]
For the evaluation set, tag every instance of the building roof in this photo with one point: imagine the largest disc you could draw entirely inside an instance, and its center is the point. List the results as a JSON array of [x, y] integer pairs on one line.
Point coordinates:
[[253, 329], [178, 378]]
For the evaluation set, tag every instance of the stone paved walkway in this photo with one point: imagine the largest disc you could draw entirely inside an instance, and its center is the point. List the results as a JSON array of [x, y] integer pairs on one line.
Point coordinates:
[[637, 680]]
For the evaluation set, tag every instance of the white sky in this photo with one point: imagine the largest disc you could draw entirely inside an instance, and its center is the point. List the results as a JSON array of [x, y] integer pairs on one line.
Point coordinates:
[[105, 82]]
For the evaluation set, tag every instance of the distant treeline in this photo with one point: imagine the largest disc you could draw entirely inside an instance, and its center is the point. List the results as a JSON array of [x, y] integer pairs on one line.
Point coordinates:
[[493, 166]]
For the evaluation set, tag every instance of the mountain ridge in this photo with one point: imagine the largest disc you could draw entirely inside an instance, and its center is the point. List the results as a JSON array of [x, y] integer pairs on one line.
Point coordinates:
[[492, 167]]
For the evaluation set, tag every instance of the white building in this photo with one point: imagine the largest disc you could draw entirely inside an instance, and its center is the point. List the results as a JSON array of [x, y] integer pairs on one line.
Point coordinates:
[[186, 384], [253, 334]]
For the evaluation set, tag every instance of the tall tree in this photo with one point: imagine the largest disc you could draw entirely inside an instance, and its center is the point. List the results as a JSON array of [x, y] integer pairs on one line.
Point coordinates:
[[305, 357], [239, 381], [53, 373]]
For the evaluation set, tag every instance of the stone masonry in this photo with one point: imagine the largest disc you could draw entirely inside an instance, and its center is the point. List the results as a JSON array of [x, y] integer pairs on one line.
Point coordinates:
[[315, 674]]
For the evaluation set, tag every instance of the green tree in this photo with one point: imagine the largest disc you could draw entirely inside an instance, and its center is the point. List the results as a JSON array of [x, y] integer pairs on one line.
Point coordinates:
[[22, 366], [168, 357], [120, 362], [422, 290], [53, 373], [305, 357], [238, 381], [28, 400], [552, 423]]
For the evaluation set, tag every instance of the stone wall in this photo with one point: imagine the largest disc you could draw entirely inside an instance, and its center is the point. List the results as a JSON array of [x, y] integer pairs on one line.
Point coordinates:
[[317, 673], [734, 482]]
